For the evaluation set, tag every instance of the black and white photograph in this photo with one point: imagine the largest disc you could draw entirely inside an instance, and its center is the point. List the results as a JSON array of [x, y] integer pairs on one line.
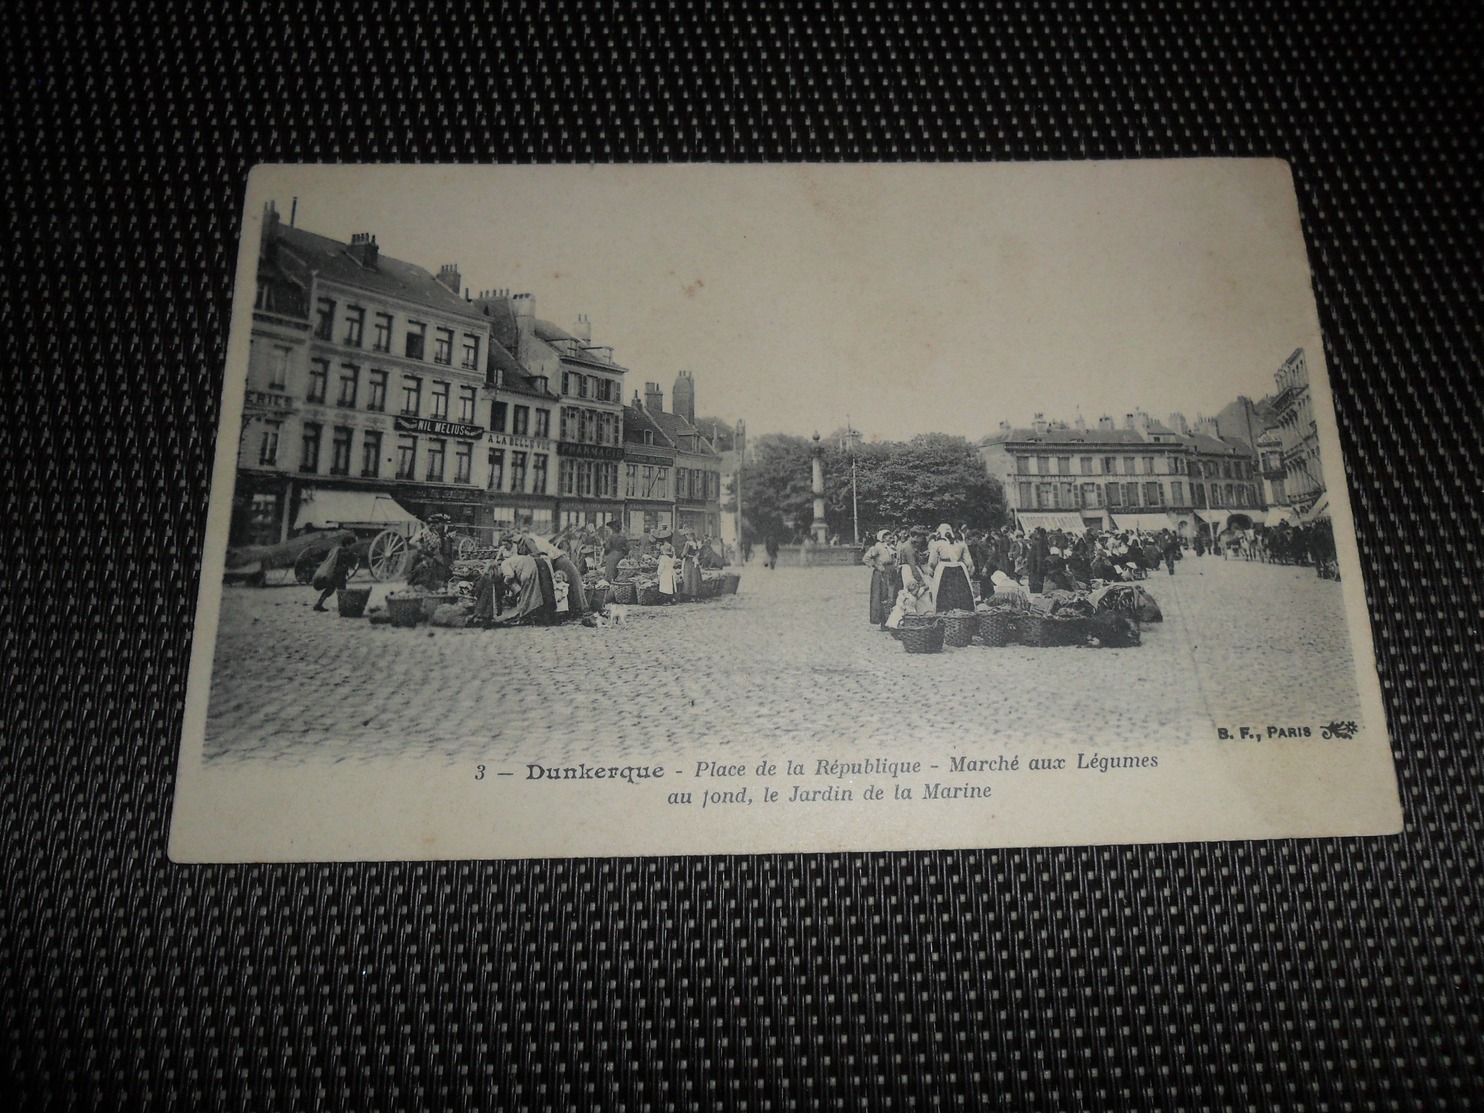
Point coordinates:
[[623, 510]]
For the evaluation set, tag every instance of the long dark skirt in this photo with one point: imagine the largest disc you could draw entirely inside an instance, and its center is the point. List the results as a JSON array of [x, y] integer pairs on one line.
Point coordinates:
[[884, 588], [547, 614], [954, 591]]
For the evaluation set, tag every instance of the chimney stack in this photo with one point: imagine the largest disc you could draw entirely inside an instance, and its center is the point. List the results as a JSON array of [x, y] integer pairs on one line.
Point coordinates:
[[684, 397], [363, 250], [1178, 423], [1039, 423], [654, 398], [270, 227], [448, 275], [1005, 425], [583, 330], [1105, 423]]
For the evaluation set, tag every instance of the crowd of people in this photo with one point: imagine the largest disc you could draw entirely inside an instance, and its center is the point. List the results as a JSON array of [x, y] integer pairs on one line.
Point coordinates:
[[955, 568], [540, 580]]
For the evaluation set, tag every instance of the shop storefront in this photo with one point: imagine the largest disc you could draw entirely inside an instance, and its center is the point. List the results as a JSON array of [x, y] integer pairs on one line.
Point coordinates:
[[520, 482], [588, 492]]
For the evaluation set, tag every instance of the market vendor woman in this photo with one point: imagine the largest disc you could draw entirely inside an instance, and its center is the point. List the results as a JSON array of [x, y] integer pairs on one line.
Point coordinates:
[[885, 582], [335, 571], [432, 562]]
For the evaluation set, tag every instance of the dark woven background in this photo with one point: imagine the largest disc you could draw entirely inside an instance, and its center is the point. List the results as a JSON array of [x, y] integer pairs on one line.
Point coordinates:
[[1272, 974]]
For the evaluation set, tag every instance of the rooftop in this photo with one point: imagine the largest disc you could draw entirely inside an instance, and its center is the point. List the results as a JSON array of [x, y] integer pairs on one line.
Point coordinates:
[[298, 249]]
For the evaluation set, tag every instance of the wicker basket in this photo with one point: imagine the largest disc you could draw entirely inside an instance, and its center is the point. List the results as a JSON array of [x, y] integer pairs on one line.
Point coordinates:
[[1030, 629], [710, 587], [923, 639], [597, 597], [352, 601], [647, 595], [997, 628], [623, 593], [730, 582], [406, 612], [960, 628]]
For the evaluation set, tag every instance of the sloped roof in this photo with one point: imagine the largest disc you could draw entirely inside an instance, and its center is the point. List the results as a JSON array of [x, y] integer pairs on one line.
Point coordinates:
[[390, 277], [678, 428], [550, 331], [637, 420], [1070, 436], [1205, 444]]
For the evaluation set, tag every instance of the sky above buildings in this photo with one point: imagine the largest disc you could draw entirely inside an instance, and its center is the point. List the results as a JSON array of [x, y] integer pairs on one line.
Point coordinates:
[[912, 298]]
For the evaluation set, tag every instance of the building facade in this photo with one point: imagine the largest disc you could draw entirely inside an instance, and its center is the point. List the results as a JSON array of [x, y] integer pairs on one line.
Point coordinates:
[[648, 472], [522, 450], [1298, 434], [697, 477], [1143, 475], [366, 378]]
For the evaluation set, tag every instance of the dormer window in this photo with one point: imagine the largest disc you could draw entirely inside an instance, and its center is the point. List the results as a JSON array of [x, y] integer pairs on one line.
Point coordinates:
[[648, 438]]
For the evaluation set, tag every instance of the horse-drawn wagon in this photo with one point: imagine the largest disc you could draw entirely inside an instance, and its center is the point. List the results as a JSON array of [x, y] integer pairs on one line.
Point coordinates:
[[374, 525]]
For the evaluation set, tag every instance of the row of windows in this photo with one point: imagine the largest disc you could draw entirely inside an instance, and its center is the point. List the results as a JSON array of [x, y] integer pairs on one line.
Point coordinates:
[[650, 482], [518, 418], [600, 388], [1129, 466], [353, 333], [1130, 494], [348, 391], [518, 472], [584, 477], [601, 428], [342, 443], [697, 484]]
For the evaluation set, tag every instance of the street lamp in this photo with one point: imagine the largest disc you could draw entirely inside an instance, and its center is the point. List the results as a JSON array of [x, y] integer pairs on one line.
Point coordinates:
[[855, 508]]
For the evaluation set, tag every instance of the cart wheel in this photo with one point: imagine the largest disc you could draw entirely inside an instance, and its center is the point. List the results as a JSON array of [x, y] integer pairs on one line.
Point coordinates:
[[387, 555], [467, 547], [305, 566]]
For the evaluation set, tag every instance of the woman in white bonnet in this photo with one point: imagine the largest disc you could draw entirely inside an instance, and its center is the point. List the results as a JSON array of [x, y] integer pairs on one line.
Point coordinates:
[[952, 566], [881, 558]]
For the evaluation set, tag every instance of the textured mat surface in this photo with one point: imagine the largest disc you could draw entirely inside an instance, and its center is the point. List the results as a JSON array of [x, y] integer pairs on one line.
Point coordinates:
[[1317, 973]]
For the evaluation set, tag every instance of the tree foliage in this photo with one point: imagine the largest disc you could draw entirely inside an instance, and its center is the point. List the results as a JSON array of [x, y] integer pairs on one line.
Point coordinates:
[[720, 433], [930, 479]]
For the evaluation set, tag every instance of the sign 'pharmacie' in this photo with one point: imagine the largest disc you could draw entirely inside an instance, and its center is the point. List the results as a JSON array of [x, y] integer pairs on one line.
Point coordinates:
[[588, 450], [409, 424]]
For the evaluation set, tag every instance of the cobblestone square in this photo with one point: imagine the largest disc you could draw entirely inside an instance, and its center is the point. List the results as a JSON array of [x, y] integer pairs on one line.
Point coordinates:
[[790, 661]]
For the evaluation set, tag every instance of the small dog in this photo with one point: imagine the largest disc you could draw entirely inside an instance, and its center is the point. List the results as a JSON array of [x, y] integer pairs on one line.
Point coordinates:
[[610, 616]]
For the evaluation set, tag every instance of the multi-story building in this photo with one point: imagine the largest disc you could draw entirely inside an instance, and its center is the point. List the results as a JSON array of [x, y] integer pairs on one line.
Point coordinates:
[[648, 471], [697, 464], [1225, 485], [379, 391], [277, 370], [523, 462], [1298, 435], [581, 447], [1143, 475]]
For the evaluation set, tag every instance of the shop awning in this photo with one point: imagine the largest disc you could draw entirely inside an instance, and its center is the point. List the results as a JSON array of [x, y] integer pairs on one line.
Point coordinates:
[[1052, 521], [336, 507], [1281, 514], [1217, 516], [1143, 521], [1319, 511], [1256, 515]]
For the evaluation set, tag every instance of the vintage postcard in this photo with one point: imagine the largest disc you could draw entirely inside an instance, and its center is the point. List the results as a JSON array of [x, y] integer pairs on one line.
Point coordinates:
[[637, 510]]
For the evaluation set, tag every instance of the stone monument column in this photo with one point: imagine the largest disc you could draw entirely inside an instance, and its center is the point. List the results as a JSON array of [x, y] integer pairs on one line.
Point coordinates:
[[819, 529]]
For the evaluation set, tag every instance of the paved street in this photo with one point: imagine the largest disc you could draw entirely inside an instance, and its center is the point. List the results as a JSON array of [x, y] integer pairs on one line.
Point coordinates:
[[789, 662]]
